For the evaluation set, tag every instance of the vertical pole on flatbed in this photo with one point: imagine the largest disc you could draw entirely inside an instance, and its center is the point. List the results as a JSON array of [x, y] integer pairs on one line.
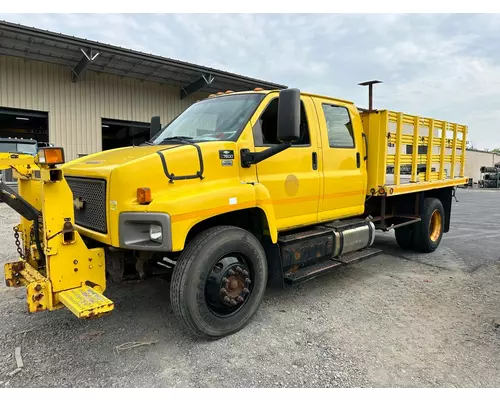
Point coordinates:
[[397, 155], [414, 158], [462, 161], [430, 142], [370, 91], [443, 149], [370, 97], [454, 151]]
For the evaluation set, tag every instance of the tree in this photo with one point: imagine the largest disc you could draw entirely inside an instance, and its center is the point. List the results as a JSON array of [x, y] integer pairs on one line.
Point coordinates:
[[497, 150]]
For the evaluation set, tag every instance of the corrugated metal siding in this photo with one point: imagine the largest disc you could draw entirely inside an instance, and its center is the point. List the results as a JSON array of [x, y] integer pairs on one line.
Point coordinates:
[[76, 109]]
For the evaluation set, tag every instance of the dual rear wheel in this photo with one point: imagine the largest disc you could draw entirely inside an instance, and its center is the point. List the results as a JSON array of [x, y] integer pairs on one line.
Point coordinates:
[[424, 236]]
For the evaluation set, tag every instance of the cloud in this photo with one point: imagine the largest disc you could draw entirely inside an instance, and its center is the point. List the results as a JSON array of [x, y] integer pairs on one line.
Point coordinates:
[[436, 65]]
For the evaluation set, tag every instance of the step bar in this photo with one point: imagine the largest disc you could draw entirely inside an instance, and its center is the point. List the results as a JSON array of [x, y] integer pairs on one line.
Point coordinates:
[[323, 267]]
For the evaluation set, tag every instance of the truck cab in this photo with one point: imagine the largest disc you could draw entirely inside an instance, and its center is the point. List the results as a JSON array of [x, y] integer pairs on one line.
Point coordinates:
[[321, 176]]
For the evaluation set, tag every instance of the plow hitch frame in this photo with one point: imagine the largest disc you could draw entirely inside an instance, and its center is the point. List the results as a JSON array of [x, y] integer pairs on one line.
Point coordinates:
[[55, 264]]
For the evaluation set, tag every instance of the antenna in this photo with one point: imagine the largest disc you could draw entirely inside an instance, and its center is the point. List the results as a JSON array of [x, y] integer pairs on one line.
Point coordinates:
[[370, 91]]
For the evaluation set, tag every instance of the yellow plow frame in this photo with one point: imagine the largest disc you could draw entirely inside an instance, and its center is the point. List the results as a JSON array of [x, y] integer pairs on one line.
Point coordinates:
[[55, 264]]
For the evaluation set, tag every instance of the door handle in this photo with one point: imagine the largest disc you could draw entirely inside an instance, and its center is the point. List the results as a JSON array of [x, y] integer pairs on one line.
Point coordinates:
[[315, 160], [358, 160], [366, 146]]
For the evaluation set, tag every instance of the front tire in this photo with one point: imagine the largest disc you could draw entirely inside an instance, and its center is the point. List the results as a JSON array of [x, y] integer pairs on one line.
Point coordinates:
[[429, 231], [219, 282]]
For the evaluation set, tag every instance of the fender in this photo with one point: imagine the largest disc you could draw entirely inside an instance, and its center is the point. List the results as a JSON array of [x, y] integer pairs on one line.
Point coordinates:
[[264, 202], [183, 207]]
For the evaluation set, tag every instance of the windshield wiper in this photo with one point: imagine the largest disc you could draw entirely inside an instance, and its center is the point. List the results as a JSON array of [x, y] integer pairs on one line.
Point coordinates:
[[184, 139]]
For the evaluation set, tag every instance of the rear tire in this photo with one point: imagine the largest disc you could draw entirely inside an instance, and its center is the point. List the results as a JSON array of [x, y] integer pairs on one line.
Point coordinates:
[[219, 282], [404, 237], [429, 231]]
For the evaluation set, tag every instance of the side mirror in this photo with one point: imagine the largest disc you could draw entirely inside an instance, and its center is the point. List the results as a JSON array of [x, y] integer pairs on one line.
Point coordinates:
[[155, 126], [289, 116]]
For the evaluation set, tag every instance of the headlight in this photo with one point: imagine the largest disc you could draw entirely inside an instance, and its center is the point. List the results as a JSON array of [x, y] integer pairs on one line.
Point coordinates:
[[145, 231], [155, 233]]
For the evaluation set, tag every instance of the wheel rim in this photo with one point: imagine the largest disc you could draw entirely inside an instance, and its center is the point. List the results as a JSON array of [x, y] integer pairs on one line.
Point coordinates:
[[229, 284], [435, 225]]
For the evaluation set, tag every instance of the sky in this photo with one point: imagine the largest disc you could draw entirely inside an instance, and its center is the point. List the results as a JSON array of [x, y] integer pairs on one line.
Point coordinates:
[[443, 66]]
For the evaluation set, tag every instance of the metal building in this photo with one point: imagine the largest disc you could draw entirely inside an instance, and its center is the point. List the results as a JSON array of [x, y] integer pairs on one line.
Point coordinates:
[[477, 159], [88, 96]]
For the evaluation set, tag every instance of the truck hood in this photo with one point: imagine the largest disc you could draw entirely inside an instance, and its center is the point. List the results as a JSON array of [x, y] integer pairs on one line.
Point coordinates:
[[101, 164], [174, 174]]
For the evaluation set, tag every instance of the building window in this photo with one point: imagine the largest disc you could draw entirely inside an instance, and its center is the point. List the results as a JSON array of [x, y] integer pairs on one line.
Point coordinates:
[[339, 126]]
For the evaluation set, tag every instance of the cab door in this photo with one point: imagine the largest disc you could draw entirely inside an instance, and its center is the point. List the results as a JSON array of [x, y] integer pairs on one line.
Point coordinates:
[[292, 176], [343, 160]]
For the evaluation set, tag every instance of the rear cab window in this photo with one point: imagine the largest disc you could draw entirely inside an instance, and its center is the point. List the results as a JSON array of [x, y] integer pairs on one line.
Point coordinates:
[[339, 126]]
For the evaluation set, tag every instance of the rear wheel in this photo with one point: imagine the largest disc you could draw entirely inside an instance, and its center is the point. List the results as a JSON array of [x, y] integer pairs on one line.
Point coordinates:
[[404, 237], [219, 281], [429, 231]]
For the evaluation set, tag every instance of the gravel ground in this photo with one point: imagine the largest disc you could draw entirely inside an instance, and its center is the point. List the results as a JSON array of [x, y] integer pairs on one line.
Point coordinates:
[[396, 320]]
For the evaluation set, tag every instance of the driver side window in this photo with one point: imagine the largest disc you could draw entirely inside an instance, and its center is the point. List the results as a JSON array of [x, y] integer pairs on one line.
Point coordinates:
[[265, 131]]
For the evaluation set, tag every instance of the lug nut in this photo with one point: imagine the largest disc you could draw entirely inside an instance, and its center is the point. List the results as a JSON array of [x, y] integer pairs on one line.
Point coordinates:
[[224, 281], [230, 272], [223, 292], [245, 273], [226, 299], [248, 281], [239, 270], [232, 302], [38, 287], [240, 299], [246, 291]]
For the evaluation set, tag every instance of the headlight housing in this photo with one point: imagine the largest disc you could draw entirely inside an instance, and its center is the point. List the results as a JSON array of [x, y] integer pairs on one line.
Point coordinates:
[[145, 231]]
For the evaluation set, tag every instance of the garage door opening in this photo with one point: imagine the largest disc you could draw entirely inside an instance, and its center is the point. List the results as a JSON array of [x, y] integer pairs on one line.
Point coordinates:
[[116, 133], [24, 124]]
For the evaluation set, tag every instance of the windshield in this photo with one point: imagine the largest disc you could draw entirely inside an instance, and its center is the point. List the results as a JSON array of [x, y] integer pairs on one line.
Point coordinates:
[[219, 118], [13, 147]]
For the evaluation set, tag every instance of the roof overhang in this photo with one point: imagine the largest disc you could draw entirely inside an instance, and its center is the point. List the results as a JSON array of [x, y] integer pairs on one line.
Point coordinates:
[[81, 54]]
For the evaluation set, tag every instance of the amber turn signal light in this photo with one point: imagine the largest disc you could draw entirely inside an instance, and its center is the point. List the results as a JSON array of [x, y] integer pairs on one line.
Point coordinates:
[[144, 195], [51, 156]]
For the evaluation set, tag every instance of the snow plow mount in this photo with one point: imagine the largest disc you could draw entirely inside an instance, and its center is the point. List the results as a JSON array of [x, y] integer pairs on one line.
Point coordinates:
[[55, 265]]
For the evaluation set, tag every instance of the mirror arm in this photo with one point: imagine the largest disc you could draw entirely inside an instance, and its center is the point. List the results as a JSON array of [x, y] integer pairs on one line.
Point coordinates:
[[248, 157]]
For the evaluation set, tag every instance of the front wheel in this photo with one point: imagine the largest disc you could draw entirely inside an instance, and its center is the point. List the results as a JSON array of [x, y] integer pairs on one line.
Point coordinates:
[[219, 282]]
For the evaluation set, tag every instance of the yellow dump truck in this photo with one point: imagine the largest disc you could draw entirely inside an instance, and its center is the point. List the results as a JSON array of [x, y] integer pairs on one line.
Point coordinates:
[[240, 191]]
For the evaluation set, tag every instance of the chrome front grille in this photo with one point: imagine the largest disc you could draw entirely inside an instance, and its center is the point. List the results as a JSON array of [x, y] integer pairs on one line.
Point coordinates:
[[89, 202]]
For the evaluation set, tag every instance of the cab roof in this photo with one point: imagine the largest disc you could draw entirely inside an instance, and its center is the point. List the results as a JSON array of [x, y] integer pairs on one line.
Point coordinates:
[[259, 90]]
